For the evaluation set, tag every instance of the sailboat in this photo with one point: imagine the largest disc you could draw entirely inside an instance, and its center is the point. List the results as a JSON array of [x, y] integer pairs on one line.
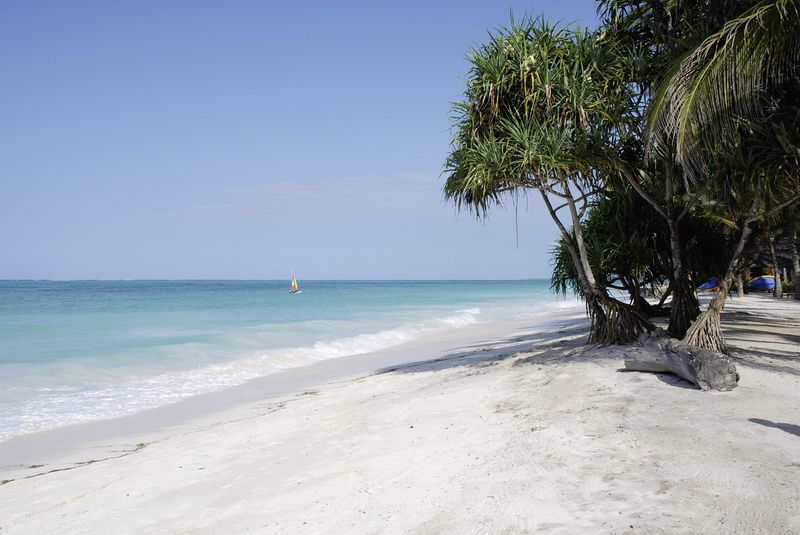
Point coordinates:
[[294, 289]]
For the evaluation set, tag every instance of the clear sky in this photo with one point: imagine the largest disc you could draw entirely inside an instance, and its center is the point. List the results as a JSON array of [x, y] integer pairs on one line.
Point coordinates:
[[151, 139]]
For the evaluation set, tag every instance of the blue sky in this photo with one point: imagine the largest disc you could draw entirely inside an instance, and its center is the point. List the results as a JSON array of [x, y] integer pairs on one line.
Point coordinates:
[[241, 139]]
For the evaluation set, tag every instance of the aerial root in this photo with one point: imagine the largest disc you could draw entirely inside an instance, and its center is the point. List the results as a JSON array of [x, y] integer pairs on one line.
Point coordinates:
[[706, 332], [614, 322]]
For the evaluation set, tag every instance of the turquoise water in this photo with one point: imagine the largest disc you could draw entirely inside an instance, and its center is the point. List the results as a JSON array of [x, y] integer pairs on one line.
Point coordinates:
[[77, 351]]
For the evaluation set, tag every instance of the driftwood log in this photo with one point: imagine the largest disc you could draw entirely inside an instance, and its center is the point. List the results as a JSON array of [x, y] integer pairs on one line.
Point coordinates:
[[658, 353]]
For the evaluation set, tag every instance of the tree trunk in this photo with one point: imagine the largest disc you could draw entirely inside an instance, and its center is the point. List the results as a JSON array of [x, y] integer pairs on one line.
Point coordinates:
[[614, 322], [685, 307], [665, 295], [657, 353], [648, 310], [706, 331], [795, 256], [611, 321], [740, 284], [641, 305], [778, 291]]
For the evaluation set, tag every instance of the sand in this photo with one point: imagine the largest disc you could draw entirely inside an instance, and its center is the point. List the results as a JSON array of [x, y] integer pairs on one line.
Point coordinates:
[[532, 433]]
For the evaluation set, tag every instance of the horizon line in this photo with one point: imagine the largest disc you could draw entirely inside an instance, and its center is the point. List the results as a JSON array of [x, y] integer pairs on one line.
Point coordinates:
[[270, 280]]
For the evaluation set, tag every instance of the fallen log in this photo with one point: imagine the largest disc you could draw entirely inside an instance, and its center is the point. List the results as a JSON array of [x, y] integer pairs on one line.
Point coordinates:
[[657, 353]]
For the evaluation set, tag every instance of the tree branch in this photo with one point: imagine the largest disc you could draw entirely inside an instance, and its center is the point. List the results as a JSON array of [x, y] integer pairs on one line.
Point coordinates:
[[564, 233], [646, 196], [782, 206], [579, 199]]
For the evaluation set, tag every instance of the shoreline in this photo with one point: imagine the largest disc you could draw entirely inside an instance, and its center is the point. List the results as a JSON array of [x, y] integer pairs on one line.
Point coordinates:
[[525, 432], [61, 443], [138, 355]]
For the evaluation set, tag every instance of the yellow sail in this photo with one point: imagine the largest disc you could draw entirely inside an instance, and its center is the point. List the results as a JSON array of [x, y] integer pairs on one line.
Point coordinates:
[[294, 284]]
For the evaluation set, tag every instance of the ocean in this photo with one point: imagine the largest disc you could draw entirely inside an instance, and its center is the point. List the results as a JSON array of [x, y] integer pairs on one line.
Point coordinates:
[[80, 351]]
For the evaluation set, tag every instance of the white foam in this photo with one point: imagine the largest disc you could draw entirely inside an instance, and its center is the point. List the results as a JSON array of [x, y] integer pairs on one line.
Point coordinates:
[[462, 318], [56, 407]]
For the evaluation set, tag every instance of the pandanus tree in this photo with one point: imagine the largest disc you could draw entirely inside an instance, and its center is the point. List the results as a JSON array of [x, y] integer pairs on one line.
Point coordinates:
[[726, 112], [629, 249], [547, 109], [626, 246]]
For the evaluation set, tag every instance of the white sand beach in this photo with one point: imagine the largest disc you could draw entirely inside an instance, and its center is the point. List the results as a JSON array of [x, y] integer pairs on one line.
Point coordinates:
[[528, 431]]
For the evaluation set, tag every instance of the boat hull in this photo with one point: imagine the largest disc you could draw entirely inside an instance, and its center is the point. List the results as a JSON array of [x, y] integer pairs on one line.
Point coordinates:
[[764, 283]]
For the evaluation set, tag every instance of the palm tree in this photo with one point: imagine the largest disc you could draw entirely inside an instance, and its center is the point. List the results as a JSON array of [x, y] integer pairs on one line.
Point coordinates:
[[626, 246], [546, 109], [656, 34], [732, 76], [629, 249], [726, 106], [754, 184]]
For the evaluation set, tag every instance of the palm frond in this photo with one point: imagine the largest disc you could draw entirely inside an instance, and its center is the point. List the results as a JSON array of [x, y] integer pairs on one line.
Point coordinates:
[[726, 79]]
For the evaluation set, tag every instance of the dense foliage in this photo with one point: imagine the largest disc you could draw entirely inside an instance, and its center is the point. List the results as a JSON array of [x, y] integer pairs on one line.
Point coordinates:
[[665, 145]]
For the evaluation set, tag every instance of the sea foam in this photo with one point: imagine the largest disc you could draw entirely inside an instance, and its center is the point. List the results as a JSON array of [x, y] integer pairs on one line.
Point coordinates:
[[117, 348], [66, 405]]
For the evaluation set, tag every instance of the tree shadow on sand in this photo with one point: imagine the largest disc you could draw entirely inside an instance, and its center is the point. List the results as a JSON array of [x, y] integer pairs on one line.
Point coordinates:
[[547, 346], [763, 340], [752, 339], [539, 348], [792, 429], [767, 360], [786, 339]]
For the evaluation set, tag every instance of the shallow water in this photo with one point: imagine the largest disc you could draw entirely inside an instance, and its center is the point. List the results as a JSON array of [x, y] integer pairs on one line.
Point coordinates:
[[78, 351]]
